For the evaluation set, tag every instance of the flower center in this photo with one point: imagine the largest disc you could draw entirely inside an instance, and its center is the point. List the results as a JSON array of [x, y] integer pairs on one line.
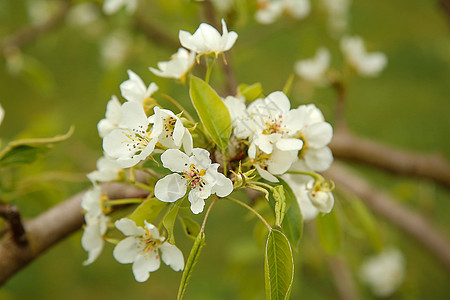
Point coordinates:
[[138, 139], [194, 177], [150, 244], [169, 126], [275, 125]]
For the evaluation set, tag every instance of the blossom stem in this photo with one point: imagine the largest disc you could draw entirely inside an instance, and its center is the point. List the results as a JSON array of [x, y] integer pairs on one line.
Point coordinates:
[[207, 214], [209, 66], [252, 210], [224, 159], [317, 177], [180, 107], [123, 201], [143, 186]]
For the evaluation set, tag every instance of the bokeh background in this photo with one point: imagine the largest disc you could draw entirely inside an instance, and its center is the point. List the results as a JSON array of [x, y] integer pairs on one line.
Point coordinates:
[[66, 77]]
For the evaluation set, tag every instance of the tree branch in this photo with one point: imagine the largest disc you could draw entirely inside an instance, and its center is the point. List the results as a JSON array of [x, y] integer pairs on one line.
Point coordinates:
[[343, 279], [347, 146], [12, 215], [50, 227], [385, 205], [27, 35]]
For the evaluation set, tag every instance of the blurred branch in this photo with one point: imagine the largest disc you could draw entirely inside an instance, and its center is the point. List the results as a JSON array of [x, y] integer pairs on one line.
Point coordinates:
[[28, 34], [156, 35], [339, 89], [50, 227], [343, 279], [445, 5], [387, 206], [346, 145]]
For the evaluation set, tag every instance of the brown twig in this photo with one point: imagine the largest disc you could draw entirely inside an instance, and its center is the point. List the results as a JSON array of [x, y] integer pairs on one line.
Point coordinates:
[[156, 35], [346, 145], [26, 35], [340, 104], [50, 227], [445, 5], [385, 205], [343, 279]]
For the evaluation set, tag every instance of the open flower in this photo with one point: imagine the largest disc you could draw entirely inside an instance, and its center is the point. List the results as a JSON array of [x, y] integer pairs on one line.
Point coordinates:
[[133, 143], [179, 65], [206, 39], [134, 89], [314, 69], [384, 272], [96, 224], [113, 117], [107, 170], [298, 186], [142, 247], [366, 64], [270, 10], [197, 173], [277, 162], [112, 6]]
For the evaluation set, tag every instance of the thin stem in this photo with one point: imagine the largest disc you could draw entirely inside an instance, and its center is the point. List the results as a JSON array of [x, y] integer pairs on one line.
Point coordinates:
[[180, 107], [252, 210], [124, 201], [262, 184], [317, 177], [142, 186], [207, 214], [209, 65]]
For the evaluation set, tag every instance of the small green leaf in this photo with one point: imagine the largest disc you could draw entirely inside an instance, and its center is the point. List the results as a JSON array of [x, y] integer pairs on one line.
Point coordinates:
[[169, 221], [278, 266], [190, 227], [250, 92], [212, 111], [288, 85], [28, 150], [280, 204], [190, 264], [147, 210], [366, 222], [328, 230]]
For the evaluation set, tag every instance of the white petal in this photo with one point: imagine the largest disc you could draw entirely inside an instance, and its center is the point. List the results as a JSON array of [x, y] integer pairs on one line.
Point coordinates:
[[175, 160], [92, 241], [223, 186], [170, 188], [129, 227], [318, 135], [152, 229], [197, 203], [91, 201], [126, 250], [178, 132], [133, 89], [266, 175], [289, 144], [144, 264], [200, 158], [133, 116], [187, 142], [2, 114], [318, 159], [172, 256]]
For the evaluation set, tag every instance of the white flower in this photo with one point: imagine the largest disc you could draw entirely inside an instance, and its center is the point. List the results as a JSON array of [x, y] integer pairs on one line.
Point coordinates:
[[112, 6], [320, 197], [198, 173], [96, 224], [115, 48], [2, 114], [240, 118], [274, 123], [309, 211], [113, 117], [337, 14], [314, 69], [133, 143], [270, 10], [142, 247], [84, 14], [173, 133], [385, 272], [107, 170], [134, 89], [179, 65], [207, 39], [277, 162], [366, 64]]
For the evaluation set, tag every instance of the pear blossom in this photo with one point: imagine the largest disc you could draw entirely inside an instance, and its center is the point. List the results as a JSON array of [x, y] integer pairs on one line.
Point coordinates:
[[274, 123], [197, 172], [115, 48], [107, 170], [337, 14], [172, 132], [275, 163], [206, 39], [112, 6], [366, 64], [321, 197], [178, 66], [2, 114], [134, 89], [385, 272], [144, 248], [113, 117], [240, 118], [135, 141], [96, 224], [298, 186], [84, 14], [270, 10], [314, 69]]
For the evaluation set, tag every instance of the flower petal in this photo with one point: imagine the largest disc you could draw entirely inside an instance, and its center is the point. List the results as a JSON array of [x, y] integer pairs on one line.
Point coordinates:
[[266, 175], [223, 186], [197, 203], [175, 160], [144, 264], [172, 256], [170, 188], [126, 250], [318, 159], [129, 228]]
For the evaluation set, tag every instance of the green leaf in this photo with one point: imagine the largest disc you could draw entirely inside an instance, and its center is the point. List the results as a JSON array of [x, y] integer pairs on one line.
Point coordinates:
[[288, 85], [190, 264], [278, 266], [147, 210], [212, 111], [292, 223], [250, 92], [156, 165], [190, 227], [169, 220], [366, 222], [280, 204], [28, 150], [328, 230]]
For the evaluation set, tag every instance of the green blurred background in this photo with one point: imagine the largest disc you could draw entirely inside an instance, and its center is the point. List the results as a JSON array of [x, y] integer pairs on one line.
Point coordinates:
[[63, 79]]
